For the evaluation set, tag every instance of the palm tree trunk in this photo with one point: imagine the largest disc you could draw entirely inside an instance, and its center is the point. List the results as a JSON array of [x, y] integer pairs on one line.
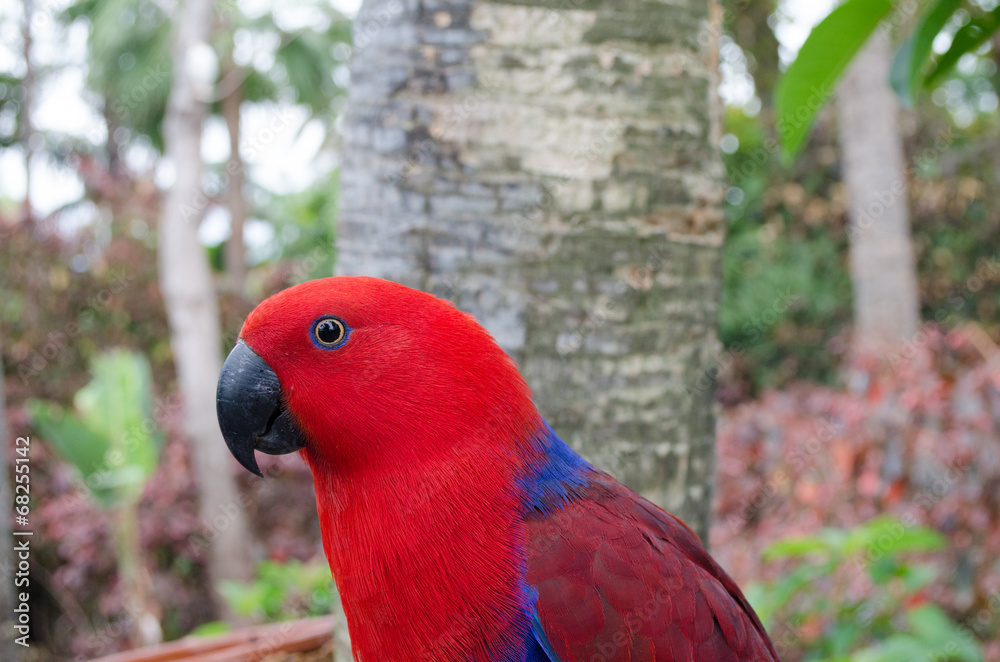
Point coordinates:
[[27, 99], [552, 168], [192, 308], [145, 625], [883, 270], [235, 249]]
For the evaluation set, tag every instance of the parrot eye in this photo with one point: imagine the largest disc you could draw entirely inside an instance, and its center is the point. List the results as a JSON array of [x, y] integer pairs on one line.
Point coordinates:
[[329, 332]]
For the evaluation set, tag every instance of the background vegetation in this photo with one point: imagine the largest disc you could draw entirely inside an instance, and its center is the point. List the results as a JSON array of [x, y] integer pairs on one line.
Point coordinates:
[[858, 496]]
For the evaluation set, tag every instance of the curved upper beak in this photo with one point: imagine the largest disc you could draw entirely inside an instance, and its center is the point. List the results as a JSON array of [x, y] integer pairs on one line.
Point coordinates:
[[251, 409]]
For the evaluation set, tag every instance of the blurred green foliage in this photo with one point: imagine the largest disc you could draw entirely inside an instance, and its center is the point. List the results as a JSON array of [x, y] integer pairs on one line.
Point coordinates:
[[786, 289], [811, 78], [816, 609], [110, 437], [302, 246], [786, 302], [10, 108], [305, 228], [129, 59], [283, 591]]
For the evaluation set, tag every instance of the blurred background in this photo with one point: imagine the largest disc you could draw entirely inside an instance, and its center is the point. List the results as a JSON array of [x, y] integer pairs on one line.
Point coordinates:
[[743, 251]]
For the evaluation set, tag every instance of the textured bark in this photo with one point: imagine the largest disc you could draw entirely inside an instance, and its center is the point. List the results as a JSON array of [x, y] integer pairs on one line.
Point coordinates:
[[145, 628], [748, 23], [883, 270], [551, 167], [235, 250], [192, 308], [27, 99]]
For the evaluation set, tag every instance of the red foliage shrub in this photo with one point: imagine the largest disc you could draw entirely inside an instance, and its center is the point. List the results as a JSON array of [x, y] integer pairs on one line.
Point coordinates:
[[55, 320], [915, 434], [87, 614]]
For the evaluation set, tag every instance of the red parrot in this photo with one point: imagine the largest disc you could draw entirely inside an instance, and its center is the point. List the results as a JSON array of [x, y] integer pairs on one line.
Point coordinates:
[[457, 525]]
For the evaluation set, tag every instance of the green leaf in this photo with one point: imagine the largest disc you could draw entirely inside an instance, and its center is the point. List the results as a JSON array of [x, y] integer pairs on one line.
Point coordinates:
[[913, 54], [282, 591], [897, 648], [810, 80], [111, 438], [969, 37], [210, 629], [791, 548], [844, 637], [760, 597], [941, 635], [886, 537], [134, 96], [916, 577], [74, 442], [883, 570], [825, 543]]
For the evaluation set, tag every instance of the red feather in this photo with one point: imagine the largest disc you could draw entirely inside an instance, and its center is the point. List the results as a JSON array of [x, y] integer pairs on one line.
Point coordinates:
[[620, 580], [416, 424], [422, 441]]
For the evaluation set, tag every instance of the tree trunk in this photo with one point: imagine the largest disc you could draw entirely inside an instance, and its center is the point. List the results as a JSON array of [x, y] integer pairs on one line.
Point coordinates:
[[145, 628], [27, 99], [883, 270], [235, 250], [552, 168], [748, 23], [192, 308]]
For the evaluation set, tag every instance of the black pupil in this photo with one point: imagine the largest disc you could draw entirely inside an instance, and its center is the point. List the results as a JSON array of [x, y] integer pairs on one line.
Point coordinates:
[[329, 332]]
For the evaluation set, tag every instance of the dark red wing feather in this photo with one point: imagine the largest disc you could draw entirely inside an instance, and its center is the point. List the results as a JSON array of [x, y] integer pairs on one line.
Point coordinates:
[[620, 580]]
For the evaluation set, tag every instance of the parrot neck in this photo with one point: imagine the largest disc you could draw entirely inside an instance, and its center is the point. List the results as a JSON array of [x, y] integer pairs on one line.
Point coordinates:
[[430, 560], [554, 472]]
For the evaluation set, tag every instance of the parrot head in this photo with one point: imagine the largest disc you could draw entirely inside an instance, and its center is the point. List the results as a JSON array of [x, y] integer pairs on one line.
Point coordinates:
[[355, 370], [456, 523], [417, 429]]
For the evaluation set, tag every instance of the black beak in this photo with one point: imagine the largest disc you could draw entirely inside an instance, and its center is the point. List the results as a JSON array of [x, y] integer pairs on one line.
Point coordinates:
[[251, 409]]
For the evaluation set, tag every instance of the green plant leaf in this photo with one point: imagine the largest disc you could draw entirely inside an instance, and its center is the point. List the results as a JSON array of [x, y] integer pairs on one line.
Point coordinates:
[[760, 597], [913, 54], [969, 37], [211, 629], [804, 89], [282, 591], [74, 442], [897, 648], [941, 635], [916, 577], [825, 543], [844, 637], [887, 536], [111, 438], [883, 570]]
